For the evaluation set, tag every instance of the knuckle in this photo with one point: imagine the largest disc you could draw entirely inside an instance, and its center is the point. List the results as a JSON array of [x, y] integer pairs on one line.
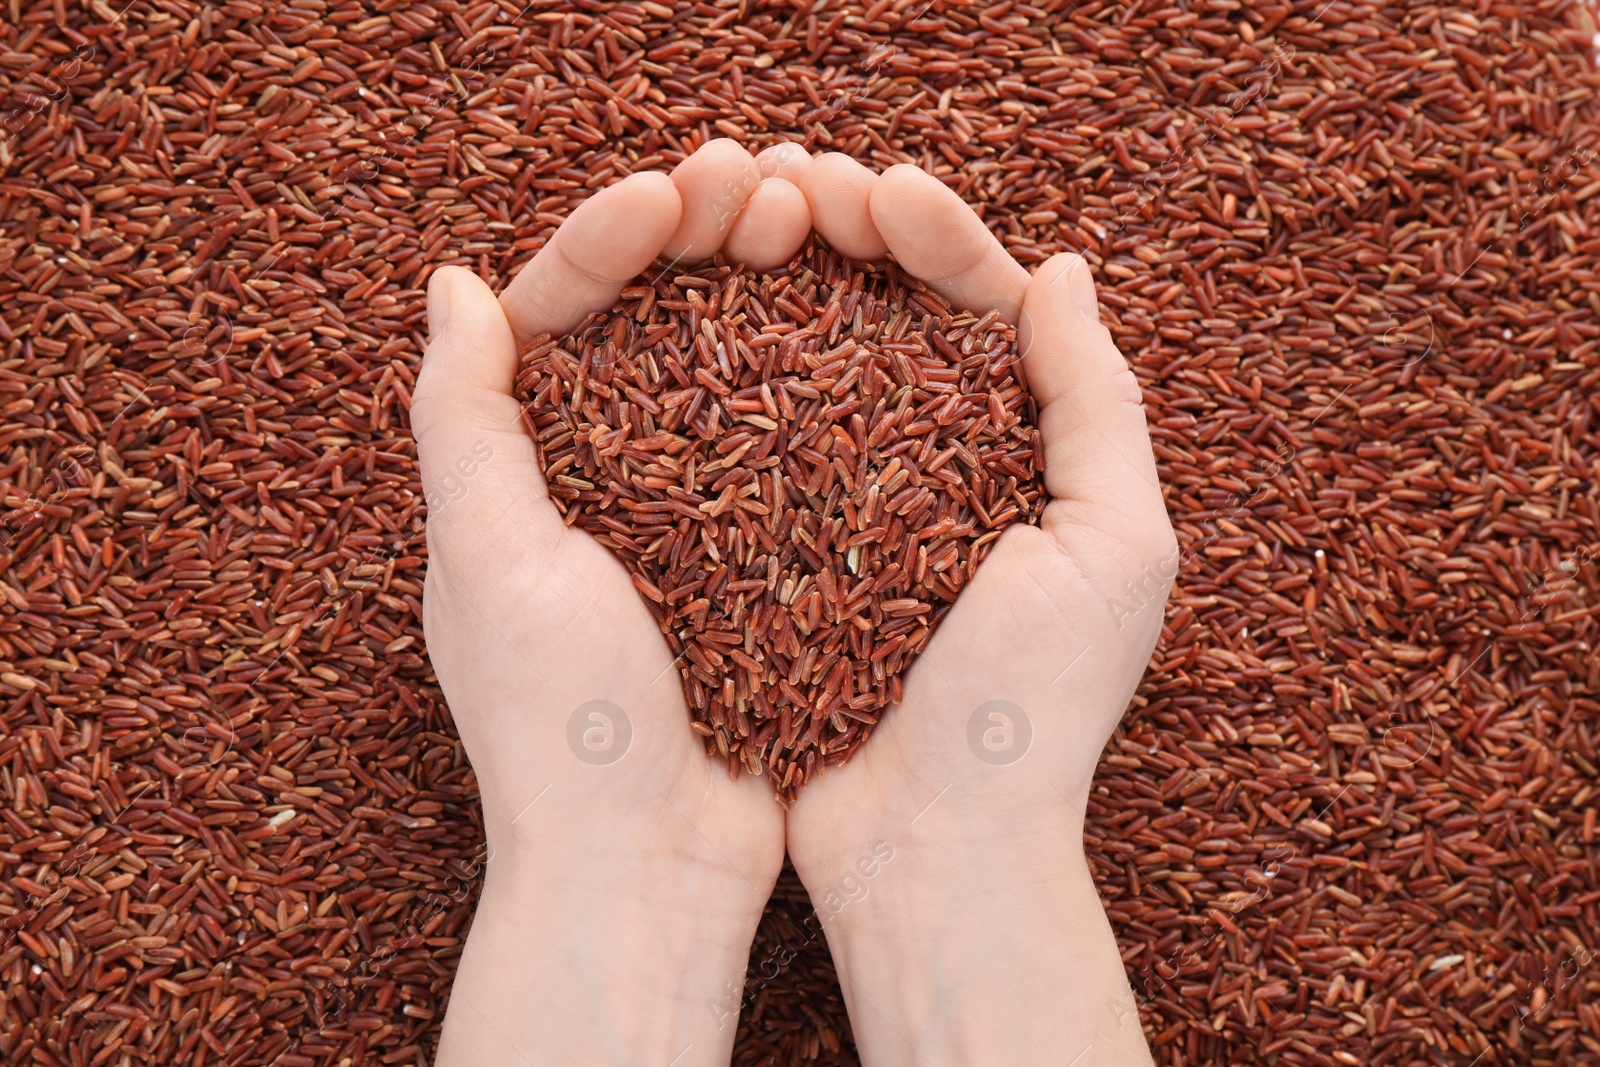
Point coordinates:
[[425, 411], [1124, 384]]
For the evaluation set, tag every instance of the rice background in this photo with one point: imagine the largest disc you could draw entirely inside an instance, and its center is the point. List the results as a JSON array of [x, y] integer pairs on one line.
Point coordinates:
[[1351, 249]]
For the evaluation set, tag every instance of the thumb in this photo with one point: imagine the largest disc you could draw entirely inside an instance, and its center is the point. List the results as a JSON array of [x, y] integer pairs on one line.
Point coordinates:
[[478, 465], [1098, 455]]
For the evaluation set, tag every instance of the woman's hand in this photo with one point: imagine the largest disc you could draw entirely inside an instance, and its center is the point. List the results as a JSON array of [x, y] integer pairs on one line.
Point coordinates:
[[627, 872], [980, 937]]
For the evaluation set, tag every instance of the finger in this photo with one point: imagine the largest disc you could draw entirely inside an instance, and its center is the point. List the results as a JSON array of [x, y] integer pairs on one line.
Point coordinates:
[[714, 184], [603, 245], [1091, 409], [838, 189], [787, 161], [935, 236], [478, 464], [771, 228]]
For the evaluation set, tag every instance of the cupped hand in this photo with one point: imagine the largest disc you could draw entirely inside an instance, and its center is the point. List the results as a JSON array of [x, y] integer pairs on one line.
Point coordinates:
[[622, 857], [1006, 712], [976, 783]]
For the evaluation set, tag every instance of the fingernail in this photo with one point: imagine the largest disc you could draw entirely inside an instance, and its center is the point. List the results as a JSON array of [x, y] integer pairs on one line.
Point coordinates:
[[438, 304], [1083, 293]]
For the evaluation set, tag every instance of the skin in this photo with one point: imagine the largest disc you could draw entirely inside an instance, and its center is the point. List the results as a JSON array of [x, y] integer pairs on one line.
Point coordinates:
[[626, 877]]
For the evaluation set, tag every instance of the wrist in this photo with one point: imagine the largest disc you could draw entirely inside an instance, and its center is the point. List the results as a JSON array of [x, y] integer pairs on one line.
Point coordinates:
[[671, 897], [603, 954], [951, 845], [981, 954], [888, 901]]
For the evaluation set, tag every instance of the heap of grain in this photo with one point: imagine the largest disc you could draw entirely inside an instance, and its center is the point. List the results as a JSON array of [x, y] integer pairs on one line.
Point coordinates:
[[801, 470]]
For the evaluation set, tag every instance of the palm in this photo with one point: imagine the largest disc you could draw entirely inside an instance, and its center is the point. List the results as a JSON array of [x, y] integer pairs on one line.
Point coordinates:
[[1018, 645], [610, 728]]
